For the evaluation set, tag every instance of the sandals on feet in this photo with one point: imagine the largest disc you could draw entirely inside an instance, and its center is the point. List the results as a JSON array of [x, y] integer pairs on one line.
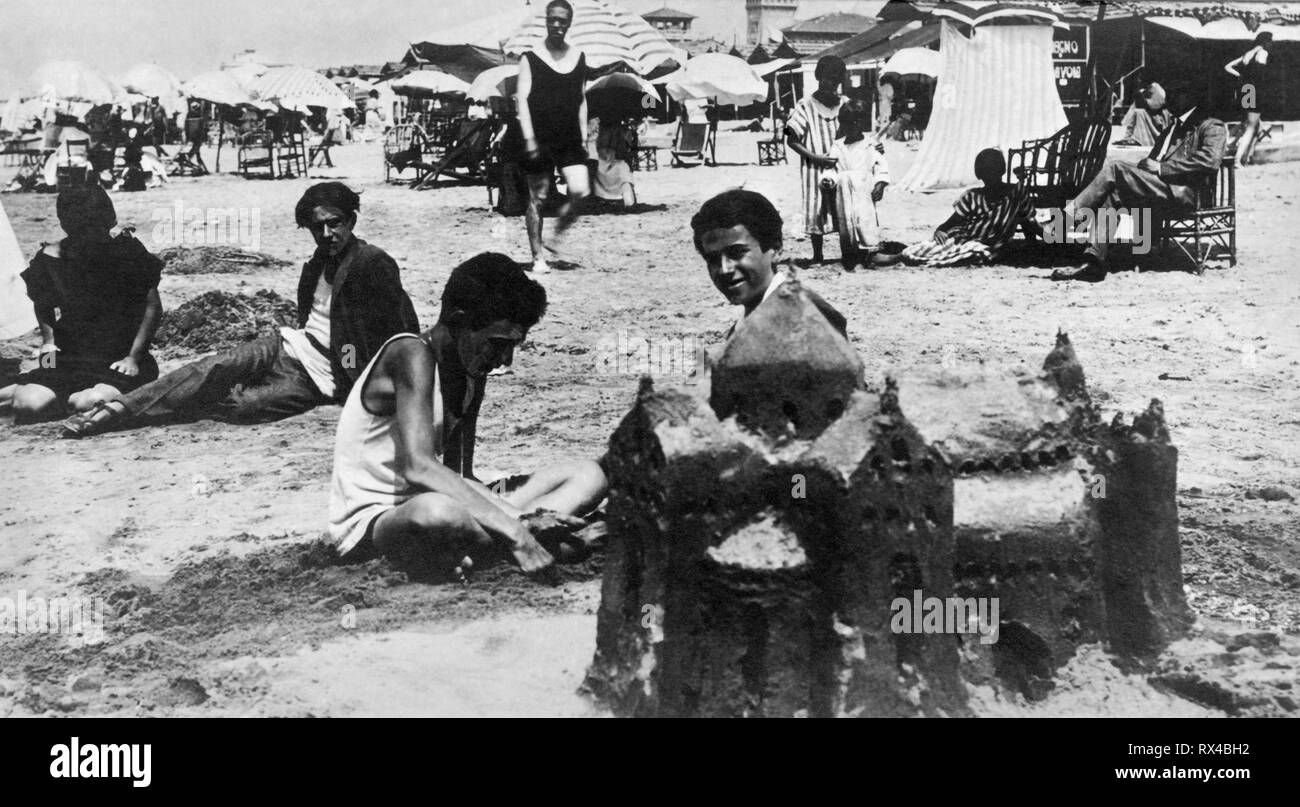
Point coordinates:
[[96, 420]]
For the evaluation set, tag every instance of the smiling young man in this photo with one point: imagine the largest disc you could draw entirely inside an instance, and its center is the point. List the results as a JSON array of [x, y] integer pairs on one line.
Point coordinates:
[[404, 484], [350, 300], [738, 233]]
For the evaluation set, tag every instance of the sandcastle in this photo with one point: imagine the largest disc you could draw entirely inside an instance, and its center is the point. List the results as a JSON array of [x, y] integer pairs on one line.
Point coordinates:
[[780, 549]]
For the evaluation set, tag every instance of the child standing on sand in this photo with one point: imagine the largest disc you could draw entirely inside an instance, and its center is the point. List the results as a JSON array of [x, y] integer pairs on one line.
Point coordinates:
[[811, 133], [856, 185]]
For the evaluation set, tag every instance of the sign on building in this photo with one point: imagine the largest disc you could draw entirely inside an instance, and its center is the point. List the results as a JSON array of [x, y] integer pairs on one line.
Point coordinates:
[[1070, 47]]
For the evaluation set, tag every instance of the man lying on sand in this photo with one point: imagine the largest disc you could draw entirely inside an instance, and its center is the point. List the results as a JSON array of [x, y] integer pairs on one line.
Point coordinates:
[[403, 481], [350, 299], [738, 233]]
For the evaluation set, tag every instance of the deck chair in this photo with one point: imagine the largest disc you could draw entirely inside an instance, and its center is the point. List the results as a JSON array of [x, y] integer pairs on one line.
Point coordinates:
[[320, 153], [183, 166], [77, 149], [1056, 168], [1209, 224], [403, 146], [463, 160], [692, 141], [256, 155]]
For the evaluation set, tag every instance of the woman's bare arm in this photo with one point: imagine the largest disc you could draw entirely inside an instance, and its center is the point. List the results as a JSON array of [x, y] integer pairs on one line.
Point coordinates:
[[148, 324]]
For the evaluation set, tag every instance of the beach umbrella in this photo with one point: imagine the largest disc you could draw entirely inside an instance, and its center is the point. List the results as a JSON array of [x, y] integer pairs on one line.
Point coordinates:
[[768, 68], [485, 32], [495, 82], [9, 120], [462, 61], [297, 88], [248, 73], [427, 83], [152, 81], [607, 35], [913, 62], [719, 76], [219, 87], [73, 81], [621, 95]]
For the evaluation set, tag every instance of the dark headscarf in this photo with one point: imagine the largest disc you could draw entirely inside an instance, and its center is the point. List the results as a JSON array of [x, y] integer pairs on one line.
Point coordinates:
[[85, 209]]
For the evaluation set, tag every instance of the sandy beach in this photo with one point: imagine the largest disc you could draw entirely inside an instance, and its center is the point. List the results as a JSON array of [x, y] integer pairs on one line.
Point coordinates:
[[201, 539]]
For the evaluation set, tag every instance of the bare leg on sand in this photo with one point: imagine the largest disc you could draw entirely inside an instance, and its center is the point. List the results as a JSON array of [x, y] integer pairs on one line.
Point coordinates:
[[539, 186]]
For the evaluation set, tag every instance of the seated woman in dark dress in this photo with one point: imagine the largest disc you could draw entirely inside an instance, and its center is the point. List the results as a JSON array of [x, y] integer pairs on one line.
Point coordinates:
[[105, 290]]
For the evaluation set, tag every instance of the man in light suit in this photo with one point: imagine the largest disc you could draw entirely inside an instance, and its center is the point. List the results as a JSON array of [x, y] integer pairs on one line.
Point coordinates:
[[1186, 153]]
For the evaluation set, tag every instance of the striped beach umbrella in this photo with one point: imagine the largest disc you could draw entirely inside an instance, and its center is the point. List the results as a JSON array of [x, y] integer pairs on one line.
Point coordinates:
[[298, 88], [217, 86], [607, 35]]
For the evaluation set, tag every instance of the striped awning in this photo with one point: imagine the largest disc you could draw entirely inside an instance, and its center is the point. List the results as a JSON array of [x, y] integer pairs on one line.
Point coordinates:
[[607, 35]]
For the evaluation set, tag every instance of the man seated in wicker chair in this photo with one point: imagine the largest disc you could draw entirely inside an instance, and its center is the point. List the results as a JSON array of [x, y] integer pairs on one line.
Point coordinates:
[[1185, 155]]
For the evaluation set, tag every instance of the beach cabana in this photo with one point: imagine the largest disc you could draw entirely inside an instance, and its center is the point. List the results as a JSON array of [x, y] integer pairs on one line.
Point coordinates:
[[996, 89], [16, 317]]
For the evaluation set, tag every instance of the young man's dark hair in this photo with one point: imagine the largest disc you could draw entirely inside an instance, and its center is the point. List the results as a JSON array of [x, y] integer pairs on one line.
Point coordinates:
[[564, 4], [326, 194], [830, 67], [739, 206], [491, 286]]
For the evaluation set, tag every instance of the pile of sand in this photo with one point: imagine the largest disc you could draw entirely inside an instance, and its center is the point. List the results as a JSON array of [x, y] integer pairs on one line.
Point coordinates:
[[215, 260], [220, 320]]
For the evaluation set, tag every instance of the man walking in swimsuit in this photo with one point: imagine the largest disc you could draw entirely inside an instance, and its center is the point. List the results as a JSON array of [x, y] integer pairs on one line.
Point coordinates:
[[553, 120]]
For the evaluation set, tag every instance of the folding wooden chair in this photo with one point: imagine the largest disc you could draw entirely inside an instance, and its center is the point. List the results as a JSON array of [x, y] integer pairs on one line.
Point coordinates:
[[693, 140], [256, 155], [1210, 223], [771, 152], [291, 156]]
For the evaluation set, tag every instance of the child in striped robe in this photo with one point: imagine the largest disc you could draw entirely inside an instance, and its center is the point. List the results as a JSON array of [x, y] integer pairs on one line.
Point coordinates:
[[811, 133], [983, 220]]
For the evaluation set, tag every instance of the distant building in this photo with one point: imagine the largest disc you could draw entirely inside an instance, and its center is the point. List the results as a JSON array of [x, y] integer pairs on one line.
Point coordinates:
[[819, 33], [251, 56], [673, 24], [695, 47], [767, 18], [367, 72]]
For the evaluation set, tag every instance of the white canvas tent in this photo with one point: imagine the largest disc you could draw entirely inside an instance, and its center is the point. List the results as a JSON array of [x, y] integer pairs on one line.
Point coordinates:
[[16, 317], [996, 89]]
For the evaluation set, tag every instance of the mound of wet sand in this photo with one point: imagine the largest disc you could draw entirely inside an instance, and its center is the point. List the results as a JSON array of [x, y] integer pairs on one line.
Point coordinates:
[[220, 320], [216, 260]]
